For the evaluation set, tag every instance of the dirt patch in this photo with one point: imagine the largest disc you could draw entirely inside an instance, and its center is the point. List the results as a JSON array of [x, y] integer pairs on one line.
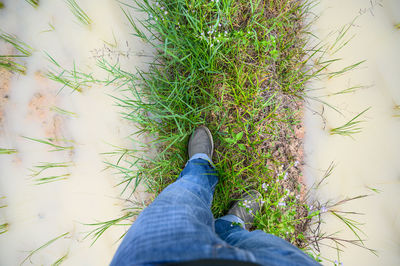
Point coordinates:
[[39, 109], [5, 80], [288, 149]]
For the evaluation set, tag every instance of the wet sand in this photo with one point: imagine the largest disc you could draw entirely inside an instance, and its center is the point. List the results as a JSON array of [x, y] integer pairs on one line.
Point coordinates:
[[88, 194], [371, 159]]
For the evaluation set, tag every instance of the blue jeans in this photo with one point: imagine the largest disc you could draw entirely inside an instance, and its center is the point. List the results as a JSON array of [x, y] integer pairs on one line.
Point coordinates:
[[179, 226]]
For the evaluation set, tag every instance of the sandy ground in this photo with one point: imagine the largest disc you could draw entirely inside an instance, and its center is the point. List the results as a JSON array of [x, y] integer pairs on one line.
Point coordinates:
[[86, 192], [371, 159]]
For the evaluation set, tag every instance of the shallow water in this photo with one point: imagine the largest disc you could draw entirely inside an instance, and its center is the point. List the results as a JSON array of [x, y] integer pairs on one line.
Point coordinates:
[[39, 213], [371, 159]]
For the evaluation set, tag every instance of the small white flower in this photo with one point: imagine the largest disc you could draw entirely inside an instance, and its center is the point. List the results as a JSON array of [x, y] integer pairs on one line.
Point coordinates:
[[264, 186], [166, 12], [296, 163], [285, 177], [281, 204], [323, 209]]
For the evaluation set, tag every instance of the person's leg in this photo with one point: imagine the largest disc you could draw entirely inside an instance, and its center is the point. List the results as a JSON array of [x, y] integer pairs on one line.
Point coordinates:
[[180, 217], [179, 225], [267, 249]]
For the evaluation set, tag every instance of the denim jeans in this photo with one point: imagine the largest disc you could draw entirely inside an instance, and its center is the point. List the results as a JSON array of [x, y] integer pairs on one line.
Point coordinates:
[[179, 226]]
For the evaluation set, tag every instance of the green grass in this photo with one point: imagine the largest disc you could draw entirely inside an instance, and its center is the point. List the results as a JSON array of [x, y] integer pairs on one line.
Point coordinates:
[[78, 12], [48, 243], [234, 66], [7, 151], [349, 128], [41, 167], [60, 260], [53, 143], [63, 111], [101, 227], [239, 67], [3, 228], [74, 79], [12, 62], [34, 3]]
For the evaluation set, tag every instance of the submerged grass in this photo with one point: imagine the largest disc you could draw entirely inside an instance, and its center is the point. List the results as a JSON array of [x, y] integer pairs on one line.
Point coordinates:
[[34, 3], [53, 143], [41, 167], [48, 243], [74, 79], [12, 61], [349, 128], [78, 12], [7, 151]]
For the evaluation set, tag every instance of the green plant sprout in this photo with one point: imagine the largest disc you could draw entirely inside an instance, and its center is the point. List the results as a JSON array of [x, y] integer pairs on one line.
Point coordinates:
[[60, 260], [9, 61], [34, 3], [349, 128], [41, 167], [52, 143], [7, 151], [78, 12], [4, 228], [63, 111], [74, 79], [48, 243], [101, 227]]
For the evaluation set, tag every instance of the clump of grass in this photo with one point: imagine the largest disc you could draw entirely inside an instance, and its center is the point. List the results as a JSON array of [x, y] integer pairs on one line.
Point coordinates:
[[78, 12], [60, 260], [3, 228], [2, 205], [397, 26], [7, 151], [1, 5], [74, 79], [34, 3], [349, 128], [48, 243], [63, 111], [9, 61], [101, 227], [41, 167], [52, 143]]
